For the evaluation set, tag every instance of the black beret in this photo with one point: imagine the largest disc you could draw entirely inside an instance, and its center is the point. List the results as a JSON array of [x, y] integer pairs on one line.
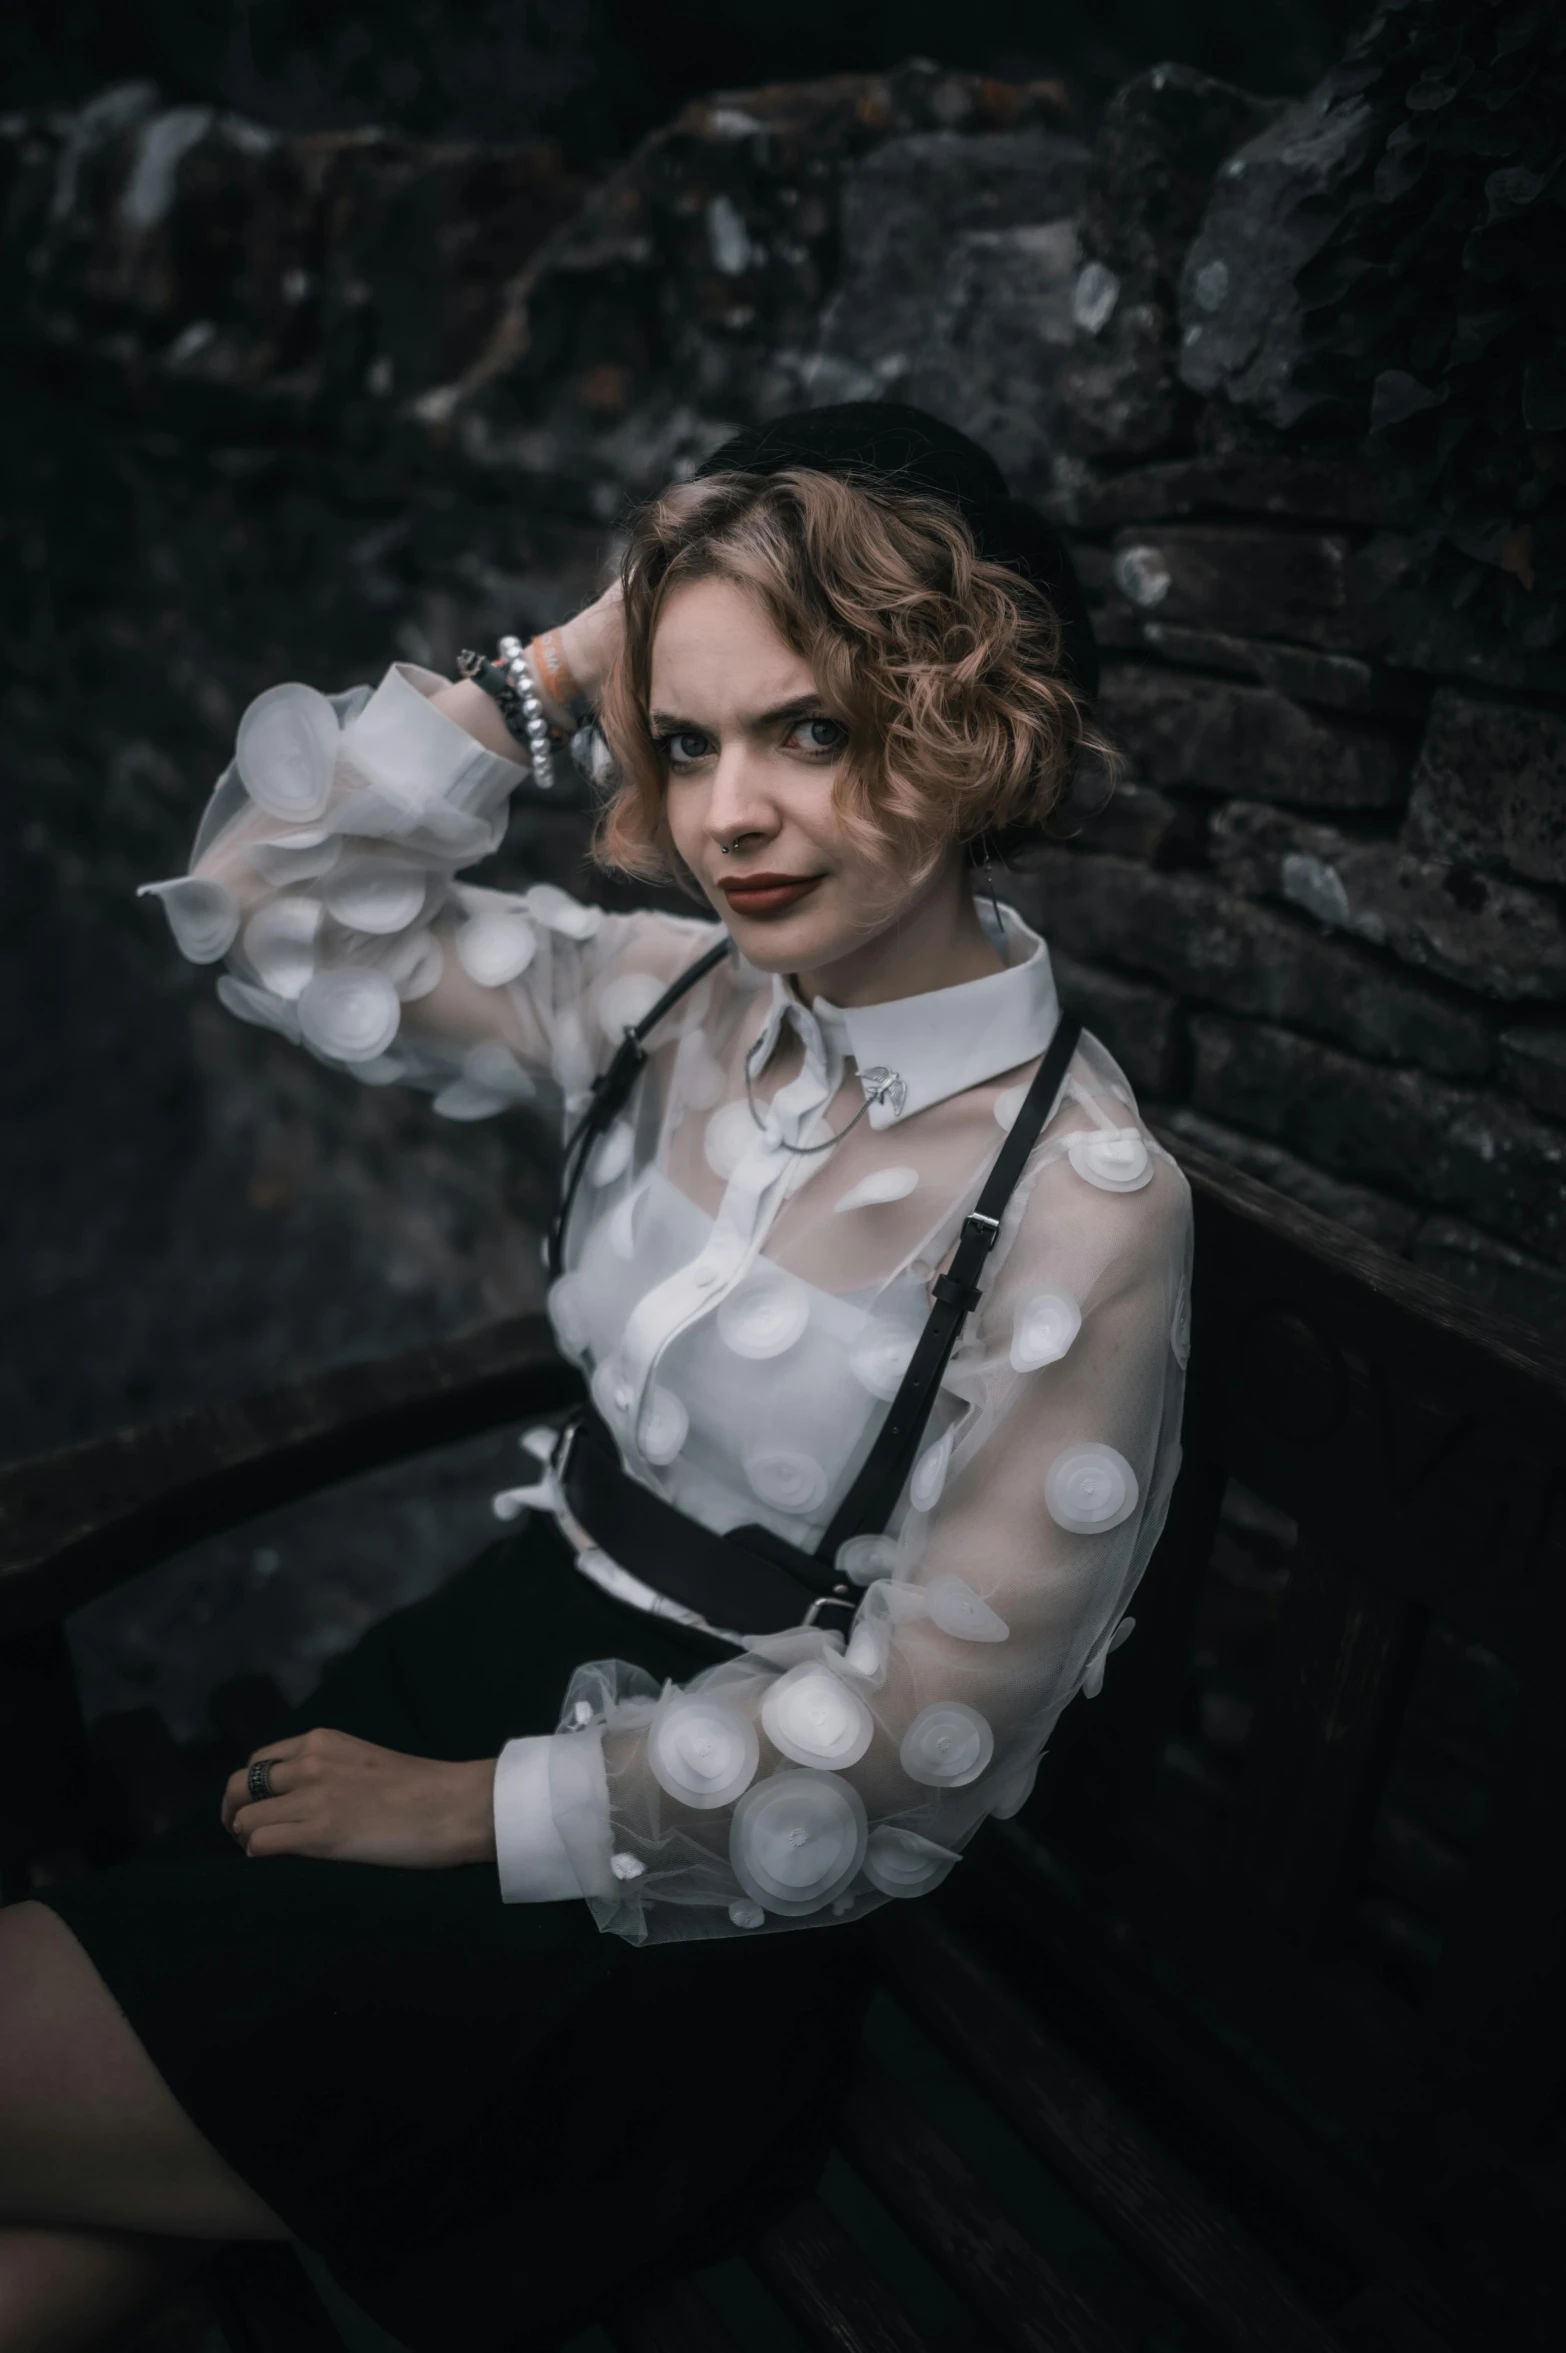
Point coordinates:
[[904, 448]]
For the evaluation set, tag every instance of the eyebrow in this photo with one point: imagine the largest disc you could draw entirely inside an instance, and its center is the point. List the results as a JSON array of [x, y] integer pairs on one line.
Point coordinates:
[[805, 706]]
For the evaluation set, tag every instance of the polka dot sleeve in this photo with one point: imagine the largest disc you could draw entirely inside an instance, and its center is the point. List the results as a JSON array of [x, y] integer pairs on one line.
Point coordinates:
[[327, 879]]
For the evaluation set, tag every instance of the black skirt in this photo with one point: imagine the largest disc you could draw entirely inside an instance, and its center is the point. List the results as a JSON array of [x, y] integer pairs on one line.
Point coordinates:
[[489, 2119]]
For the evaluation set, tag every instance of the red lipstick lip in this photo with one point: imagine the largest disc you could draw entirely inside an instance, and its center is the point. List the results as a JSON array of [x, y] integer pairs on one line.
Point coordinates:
[[767, 894]]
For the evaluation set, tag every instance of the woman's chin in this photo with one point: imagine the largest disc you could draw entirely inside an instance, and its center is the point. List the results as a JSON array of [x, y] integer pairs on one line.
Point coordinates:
[[795, 941]]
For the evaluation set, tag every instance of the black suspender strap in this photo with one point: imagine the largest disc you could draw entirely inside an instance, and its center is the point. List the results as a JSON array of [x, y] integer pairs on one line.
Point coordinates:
[[871, 1500], [611, 1091]]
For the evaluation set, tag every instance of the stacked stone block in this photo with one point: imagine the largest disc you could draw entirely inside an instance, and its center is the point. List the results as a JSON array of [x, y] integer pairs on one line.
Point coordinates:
[[1330, 880]]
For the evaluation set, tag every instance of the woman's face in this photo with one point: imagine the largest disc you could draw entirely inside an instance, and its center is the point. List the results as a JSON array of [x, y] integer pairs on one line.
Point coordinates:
[[749, 752]]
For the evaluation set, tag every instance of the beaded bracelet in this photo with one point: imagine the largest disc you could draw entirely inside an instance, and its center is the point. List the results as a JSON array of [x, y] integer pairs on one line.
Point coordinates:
[[515, 660], [509, 687]]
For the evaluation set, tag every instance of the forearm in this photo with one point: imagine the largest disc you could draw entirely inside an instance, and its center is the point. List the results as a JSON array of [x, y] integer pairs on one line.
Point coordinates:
[[473, 709]]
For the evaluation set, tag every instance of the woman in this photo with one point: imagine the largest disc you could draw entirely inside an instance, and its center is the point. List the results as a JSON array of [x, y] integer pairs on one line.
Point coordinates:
[[880, 1291]]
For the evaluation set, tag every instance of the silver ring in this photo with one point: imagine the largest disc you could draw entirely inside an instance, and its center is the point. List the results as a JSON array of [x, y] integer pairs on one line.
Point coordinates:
[[258, 1781]]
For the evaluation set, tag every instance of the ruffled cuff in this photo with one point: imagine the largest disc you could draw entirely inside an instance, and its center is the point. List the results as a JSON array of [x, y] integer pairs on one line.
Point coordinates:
[[327, 873], [386, 767], [534, 1865], [401, 745]]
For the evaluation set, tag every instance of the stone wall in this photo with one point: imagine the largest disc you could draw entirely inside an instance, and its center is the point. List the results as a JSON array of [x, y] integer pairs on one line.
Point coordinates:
[[284, 405], [1323, 917]]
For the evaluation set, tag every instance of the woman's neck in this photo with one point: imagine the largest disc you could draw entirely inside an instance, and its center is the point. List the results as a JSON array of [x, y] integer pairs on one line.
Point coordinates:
[[935, 943]]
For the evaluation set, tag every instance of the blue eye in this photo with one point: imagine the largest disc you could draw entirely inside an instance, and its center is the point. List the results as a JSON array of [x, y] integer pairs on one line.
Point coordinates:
[[684, 747], [821, 736]]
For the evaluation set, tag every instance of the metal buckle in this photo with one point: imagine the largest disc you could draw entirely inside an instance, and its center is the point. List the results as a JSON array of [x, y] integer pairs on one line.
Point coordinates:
[[987, 1228], [563, 1445], [834, 1601]]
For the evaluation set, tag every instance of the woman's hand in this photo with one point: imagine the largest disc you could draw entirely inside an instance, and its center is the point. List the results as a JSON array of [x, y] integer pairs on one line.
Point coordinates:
[[345, 1801], [591, 640]]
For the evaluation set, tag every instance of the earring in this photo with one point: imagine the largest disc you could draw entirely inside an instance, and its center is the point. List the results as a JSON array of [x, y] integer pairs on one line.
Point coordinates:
[[989, 884]]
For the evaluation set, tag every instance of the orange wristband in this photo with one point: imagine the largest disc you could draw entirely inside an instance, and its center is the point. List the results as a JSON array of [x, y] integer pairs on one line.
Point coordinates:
[[555, 671]]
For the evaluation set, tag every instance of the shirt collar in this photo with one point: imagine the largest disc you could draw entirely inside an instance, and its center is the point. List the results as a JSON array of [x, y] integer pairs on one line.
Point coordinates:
[[915, 1051]]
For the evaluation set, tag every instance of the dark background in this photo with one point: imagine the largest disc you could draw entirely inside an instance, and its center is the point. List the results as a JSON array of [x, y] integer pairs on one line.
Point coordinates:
[[597, 74]]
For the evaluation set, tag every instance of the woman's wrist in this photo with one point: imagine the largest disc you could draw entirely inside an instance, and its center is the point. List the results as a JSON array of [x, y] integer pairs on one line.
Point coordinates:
[[472, 709], [579, 654], [473, 1820]]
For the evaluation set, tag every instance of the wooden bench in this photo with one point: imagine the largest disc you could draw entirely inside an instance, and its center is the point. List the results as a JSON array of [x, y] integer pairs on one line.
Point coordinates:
[[1251, 2031]]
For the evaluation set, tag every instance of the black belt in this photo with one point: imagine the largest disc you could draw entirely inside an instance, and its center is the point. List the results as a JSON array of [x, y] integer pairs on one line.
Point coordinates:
[[750, 1580]]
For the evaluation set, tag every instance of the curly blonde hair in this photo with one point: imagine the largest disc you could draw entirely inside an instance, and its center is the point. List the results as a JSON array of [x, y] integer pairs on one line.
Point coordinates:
[[943, 668]]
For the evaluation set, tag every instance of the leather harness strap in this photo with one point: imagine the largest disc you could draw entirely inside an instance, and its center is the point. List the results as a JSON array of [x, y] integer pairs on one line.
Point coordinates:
[[872, 1498], [611, 1092]]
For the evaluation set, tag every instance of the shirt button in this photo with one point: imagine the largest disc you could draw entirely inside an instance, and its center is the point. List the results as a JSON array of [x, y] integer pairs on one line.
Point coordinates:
[[706, 1276], [622, 1396]]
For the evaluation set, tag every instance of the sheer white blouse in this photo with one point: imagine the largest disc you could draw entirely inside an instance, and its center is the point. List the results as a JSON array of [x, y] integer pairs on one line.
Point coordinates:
[[743, 1312]]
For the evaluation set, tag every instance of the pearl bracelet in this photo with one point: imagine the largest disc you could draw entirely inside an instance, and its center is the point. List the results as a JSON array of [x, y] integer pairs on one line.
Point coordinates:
[[514, 662]]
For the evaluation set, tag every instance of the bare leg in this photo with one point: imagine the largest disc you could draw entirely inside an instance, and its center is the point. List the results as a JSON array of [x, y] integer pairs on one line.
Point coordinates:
[[68, 2291], [90, 2134]]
